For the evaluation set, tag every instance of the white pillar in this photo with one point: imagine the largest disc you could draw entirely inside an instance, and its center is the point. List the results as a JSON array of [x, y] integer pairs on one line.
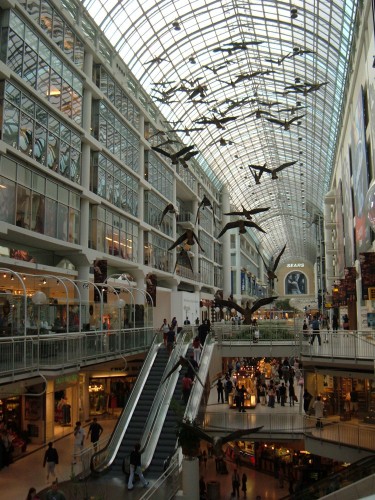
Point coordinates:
[[190, 478], [225, 239]]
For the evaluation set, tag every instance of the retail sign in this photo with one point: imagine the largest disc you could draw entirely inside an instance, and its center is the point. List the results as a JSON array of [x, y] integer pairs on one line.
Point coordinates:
[[296, 265], [66, 380], [371, 293]]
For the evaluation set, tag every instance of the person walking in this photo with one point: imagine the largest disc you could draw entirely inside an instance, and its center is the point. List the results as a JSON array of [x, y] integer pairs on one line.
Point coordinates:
[[220, 391], [236, 484], [197, 348], [271, 396], [95, 431], [292, 394], [165, 329], [54, 493], [306, 400], [244, 484], [79, 439], [135, 467], [51, 458], [282, 391], [171, 339], [335, 323]]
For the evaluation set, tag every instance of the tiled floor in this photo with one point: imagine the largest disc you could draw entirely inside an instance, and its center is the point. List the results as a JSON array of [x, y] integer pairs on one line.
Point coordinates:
[[28, 471]]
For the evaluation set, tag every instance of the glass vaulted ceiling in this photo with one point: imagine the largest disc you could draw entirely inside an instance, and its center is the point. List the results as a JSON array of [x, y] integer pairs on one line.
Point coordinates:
[[291, 66]]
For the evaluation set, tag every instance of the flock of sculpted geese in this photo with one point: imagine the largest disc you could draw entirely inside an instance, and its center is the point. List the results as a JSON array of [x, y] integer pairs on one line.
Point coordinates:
[[220, 112]]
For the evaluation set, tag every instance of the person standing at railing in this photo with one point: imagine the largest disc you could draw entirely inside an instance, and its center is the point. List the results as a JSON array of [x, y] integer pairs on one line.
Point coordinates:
[[319, 409], [315, 325]]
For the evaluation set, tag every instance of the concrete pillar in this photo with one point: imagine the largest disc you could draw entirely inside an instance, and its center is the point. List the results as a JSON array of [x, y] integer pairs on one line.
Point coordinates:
[[84, 275], [50, 412]]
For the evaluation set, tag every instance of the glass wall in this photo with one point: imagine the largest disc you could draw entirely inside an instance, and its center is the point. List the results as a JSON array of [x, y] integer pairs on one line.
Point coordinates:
[[29, 127], [114, 184], [154, 206], [158, 175], [113, 234], [32, 201]]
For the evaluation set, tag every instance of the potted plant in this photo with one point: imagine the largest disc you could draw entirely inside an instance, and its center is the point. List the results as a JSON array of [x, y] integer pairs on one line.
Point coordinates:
[[188, 435]]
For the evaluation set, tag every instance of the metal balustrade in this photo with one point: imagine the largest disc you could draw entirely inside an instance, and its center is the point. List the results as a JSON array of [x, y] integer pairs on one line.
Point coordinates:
[[32, 353]]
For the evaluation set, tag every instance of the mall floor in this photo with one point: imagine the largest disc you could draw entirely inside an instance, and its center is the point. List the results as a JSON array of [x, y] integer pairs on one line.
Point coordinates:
[[28, 471]]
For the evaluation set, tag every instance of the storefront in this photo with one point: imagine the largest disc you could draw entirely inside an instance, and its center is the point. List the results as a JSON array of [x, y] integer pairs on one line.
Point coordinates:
[[109, 393]]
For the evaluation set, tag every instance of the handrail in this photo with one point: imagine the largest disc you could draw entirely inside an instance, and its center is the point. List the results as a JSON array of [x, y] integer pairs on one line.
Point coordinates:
[[345, 477], [103, 458], [160, 406], [55, 351]]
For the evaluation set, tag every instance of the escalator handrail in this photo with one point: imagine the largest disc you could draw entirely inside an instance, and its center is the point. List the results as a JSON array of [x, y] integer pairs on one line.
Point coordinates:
[[161, 403], [101, 460]]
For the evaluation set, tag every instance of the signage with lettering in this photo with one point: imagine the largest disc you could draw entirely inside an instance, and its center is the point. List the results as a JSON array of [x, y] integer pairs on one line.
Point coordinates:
[[295, 265]]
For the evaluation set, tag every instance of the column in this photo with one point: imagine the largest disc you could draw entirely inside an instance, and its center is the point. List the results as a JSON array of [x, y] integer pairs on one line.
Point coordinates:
[[225, 239]]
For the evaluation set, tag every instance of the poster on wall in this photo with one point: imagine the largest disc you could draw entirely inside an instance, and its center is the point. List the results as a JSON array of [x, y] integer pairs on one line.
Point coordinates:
[[360, 176], [367, 263], [339, 231], [295, 284]]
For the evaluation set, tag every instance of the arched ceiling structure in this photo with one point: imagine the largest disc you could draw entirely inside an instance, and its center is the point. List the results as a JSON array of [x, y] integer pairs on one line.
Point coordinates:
[[255, 61]]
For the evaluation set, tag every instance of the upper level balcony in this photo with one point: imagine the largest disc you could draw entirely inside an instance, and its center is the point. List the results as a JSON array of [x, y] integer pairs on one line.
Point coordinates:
[[186, 220]]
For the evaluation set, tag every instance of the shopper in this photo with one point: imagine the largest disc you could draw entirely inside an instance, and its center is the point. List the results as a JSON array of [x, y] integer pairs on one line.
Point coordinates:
[[319, 409], [32, 495], [197, 348], [164, 329], [220, 391], [306, 400], [236, 484], [315, 325], [54, 493], [79, 438], [244, 484], [51, 458], [95, 431], [135, 467]]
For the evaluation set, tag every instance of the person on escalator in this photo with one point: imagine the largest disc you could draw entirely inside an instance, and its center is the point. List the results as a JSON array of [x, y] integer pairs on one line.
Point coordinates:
[[171, 339], [135, 467]]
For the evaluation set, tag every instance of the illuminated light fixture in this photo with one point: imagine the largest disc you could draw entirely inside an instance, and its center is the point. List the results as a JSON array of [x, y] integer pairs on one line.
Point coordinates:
[[24, 278], [2, 186], [54, 92], [4, 275], [44, 281]]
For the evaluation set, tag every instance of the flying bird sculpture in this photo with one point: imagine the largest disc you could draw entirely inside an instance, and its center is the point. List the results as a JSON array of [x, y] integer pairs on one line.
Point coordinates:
[[168, 209], [258, 113], [250, 76], [253, 170], [274, 171], [248, 213], [219, 122], [156, 60], [242, 225], [218, 442], [204, 203], [285, 123], [247, 311], [271, 270], [183, 259], [185, 362], [280, 60], [173, 156], [188, 237]]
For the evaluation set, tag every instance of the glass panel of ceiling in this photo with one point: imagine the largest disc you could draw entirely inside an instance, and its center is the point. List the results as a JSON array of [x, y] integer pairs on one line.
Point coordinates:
[[265, 77]]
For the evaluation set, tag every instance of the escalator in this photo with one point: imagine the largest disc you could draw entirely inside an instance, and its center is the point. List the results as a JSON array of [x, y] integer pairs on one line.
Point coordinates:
[[166, 444], [138, 420]]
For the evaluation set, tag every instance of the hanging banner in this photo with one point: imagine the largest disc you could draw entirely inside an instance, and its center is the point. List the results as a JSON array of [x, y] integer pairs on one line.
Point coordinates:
[[151, 284], [350, 274], [100, 276]]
